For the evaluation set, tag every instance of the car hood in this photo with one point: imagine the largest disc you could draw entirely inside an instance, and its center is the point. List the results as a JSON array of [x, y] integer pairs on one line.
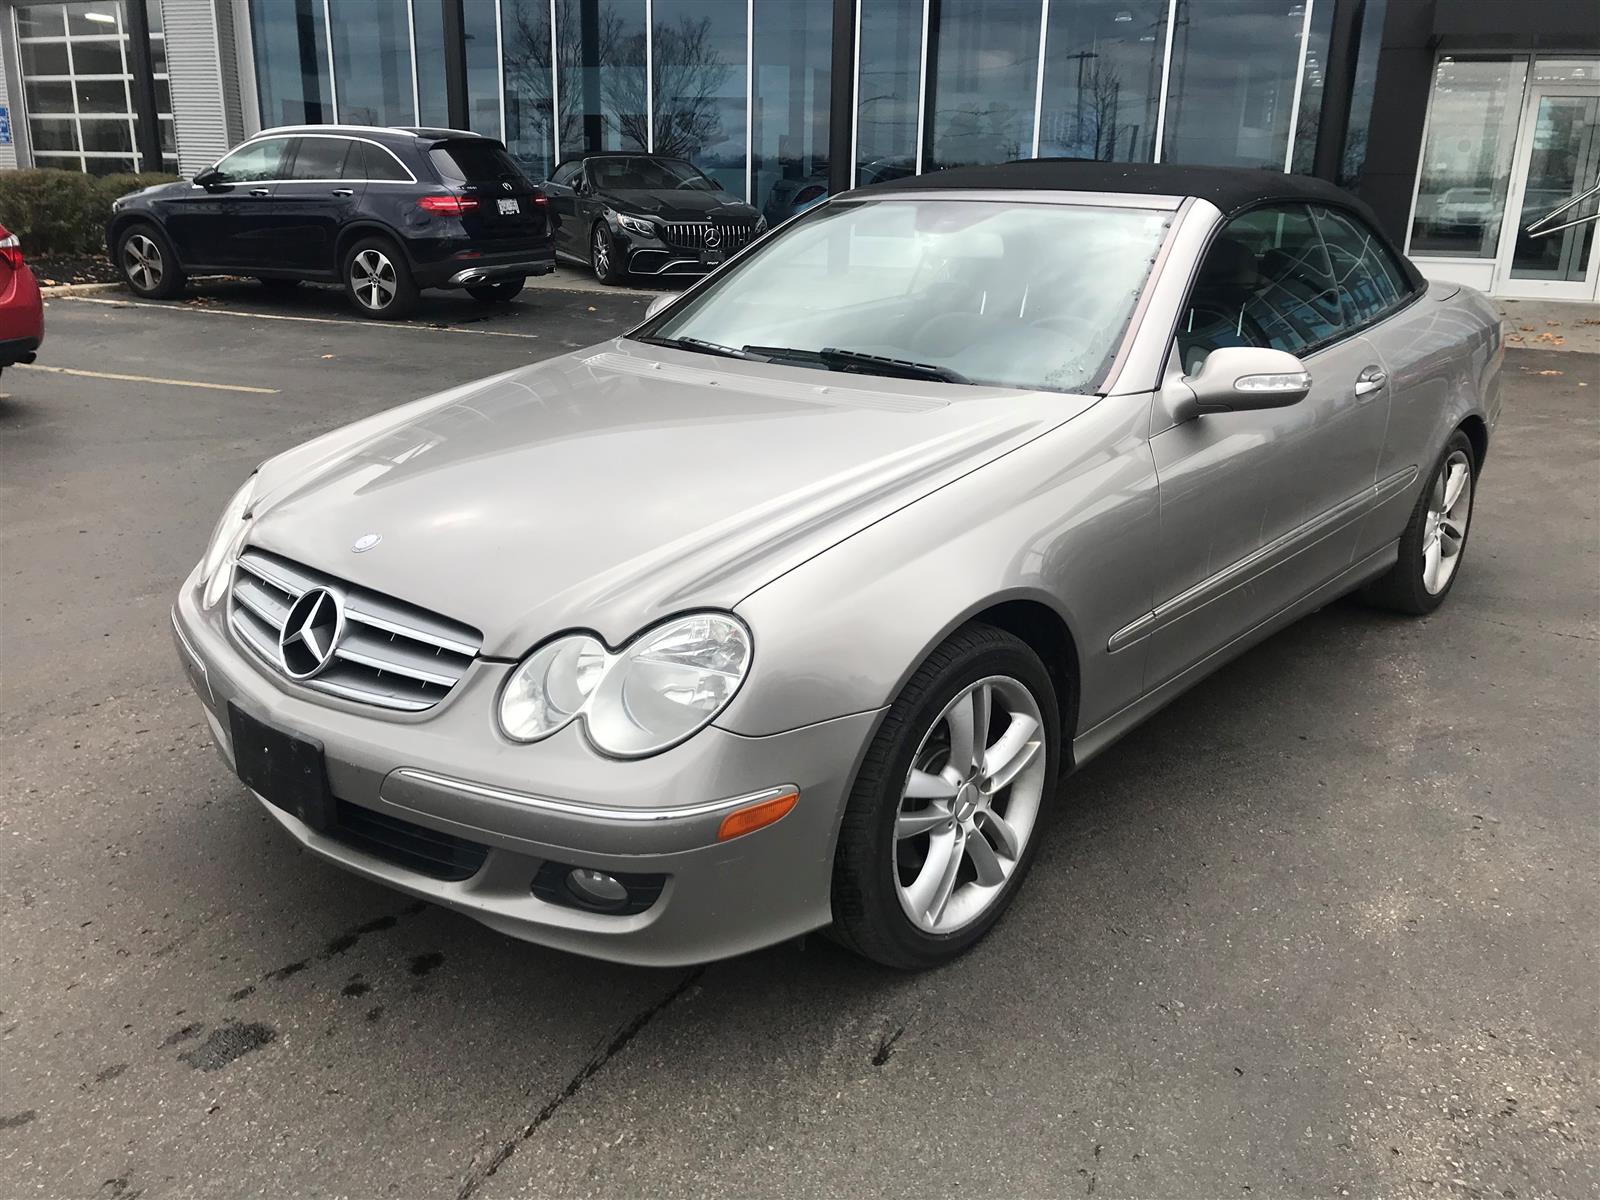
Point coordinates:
[[618, 485], [680, 205]]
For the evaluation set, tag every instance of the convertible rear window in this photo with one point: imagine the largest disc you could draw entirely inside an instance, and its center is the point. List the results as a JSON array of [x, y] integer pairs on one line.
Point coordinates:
[[1021, 295]]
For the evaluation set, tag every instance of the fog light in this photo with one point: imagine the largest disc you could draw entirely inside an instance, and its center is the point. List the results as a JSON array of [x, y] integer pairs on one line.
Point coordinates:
[[596, 888]]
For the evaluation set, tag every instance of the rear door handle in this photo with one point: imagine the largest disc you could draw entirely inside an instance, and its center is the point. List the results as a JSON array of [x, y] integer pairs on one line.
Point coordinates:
[[1371, 381], [261, 191], [344, 191]]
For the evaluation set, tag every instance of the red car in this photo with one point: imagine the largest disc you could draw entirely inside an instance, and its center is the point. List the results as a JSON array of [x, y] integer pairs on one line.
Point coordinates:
[[21, 310]]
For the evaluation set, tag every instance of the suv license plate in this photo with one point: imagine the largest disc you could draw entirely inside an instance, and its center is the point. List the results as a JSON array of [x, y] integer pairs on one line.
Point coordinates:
[[509, 206]]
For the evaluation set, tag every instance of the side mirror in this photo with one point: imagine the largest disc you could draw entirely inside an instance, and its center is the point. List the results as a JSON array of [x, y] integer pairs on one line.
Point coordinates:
[[209, 178], [658, 304], [1242, 379]]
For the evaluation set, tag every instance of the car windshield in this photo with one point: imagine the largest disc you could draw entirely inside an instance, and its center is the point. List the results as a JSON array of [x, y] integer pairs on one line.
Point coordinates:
[[646, 174], [1021, 295]]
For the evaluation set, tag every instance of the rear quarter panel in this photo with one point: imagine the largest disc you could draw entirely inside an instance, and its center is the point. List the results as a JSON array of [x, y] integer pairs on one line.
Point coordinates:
[[1444, 356]]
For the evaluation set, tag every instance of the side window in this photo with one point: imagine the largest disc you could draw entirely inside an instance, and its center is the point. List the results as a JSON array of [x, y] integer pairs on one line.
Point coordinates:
[[254, 163], [320, 158], [567, 172], [380, 164], [1265, 281], [1369, 280]]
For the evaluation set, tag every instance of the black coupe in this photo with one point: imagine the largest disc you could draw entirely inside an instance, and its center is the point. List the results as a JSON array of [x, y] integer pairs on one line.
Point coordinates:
[[627, 213]]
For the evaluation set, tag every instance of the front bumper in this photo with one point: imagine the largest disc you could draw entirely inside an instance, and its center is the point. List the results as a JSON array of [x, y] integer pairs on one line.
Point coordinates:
[[449, 771]]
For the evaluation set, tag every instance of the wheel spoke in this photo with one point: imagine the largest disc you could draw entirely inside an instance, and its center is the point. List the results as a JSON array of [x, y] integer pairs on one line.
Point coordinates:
[[985, 864], [925, 820], [930, 892], [1004, 760], [1455, 481], [924, 785], [1431, 558], [1002, 835]]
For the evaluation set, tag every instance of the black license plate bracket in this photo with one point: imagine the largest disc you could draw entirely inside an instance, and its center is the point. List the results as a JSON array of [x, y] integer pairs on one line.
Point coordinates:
[[287, 771]]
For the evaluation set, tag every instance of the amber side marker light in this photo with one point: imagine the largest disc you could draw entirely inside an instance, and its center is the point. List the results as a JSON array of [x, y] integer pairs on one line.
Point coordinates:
[[756, 816]]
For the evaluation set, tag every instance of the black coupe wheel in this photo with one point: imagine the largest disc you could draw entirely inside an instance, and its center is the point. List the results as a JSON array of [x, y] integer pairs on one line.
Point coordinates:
[[603, 256], [497, 293], [147, 263], [948, 808]]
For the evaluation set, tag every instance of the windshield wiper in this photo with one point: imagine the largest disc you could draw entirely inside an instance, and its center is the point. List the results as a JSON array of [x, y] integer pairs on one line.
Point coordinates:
[[861, 363], [698, 345]]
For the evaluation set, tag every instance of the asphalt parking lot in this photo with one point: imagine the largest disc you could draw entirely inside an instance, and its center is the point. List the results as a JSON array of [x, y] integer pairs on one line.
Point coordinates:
[[1327, 926]]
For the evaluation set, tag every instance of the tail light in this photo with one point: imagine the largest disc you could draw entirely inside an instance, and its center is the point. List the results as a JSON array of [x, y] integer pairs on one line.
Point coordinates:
[[448, 206], [539, 199], [11, 250]]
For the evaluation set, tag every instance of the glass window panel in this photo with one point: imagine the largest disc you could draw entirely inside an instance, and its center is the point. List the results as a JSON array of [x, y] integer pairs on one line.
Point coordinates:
[[1563, 163], [152, 12], [433, 98], [106, 135], [48, 98], [983, 67], [1311, 87], [886, 93], [1230, 91], [600, 48], [380, 164], [483, 67], [1368, 280], [789, 125], [158, 56], [699, 84], [102, 96], [41, 20], [1265, 281], [1102, 79], [97, 58], [109, 166], [257, 161], [94, 19], [1355, 140], [163, 97], [44, 58], [320, 158], [371, 62], [1566, 70], [169, 143], [291, 50], [1466, 157], [54, 133], [525, 28]]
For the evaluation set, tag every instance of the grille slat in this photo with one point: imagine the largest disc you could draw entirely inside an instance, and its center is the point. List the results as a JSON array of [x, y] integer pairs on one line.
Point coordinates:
[[415, 847], [691, 235], [390, 653]]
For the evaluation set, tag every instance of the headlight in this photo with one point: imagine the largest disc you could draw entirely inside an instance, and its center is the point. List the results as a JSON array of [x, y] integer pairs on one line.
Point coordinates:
[[224, 544], [636, 225], [664, 686]]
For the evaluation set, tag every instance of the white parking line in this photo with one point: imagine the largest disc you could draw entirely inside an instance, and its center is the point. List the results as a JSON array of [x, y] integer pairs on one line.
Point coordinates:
[[194, 383], [400, 326]]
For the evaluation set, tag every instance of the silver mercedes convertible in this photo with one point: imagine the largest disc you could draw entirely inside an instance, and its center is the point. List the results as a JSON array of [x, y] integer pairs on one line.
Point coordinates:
[[792, 608]]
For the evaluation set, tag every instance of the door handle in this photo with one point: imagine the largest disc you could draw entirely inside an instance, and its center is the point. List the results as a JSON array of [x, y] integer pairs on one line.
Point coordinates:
[[261, 191], [344, 191], [1370, 382]]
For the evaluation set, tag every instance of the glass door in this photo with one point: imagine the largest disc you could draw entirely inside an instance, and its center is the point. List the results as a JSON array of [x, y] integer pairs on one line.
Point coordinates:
[[1551, 250]]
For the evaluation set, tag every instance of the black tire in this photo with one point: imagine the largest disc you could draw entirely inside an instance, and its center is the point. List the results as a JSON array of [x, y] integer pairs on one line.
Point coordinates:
[[147, 262], [603, 255], [378, 280], [278, 284], [868, 915], [497, 293], [1403, 588]]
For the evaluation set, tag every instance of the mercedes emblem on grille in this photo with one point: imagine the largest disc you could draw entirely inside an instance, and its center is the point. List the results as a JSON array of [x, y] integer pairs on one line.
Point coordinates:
[[713, 236], [310, 633]]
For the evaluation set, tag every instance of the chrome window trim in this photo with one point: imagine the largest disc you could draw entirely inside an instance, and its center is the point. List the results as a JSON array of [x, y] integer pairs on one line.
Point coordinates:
[[408, 181]]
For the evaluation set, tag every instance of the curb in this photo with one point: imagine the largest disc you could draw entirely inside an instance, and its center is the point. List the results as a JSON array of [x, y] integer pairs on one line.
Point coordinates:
[[77, 289]]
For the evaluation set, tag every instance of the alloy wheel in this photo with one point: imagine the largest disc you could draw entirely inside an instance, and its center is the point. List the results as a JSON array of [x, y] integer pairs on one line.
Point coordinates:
[[602, 256], [969, 804], [141, 259], [372, 276], [1445, 531]]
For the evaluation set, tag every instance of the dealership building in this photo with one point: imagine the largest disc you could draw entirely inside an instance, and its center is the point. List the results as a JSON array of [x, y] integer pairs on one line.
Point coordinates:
[[1472, 127]]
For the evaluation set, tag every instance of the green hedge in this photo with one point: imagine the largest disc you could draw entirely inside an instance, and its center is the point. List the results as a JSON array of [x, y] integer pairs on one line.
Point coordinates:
[[63, 212]]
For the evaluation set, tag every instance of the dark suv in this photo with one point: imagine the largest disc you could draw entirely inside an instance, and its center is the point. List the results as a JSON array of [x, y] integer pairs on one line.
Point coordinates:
[[383, 211]]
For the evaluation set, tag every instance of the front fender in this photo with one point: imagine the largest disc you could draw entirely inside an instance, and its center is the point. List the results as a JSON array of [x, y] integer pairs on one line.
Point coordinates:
[[1069, 520]]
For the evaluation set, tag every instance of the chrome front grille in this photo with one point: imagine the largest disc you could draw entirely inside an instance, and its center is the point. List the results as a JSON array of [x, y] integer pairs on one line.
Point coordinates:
[[386, 652], [695, 235]]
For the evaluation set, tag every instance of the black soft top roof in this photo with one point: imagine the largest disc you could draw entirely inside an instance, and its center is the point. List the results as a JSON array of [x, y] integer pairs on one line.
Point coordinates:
[[1229, 188]]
